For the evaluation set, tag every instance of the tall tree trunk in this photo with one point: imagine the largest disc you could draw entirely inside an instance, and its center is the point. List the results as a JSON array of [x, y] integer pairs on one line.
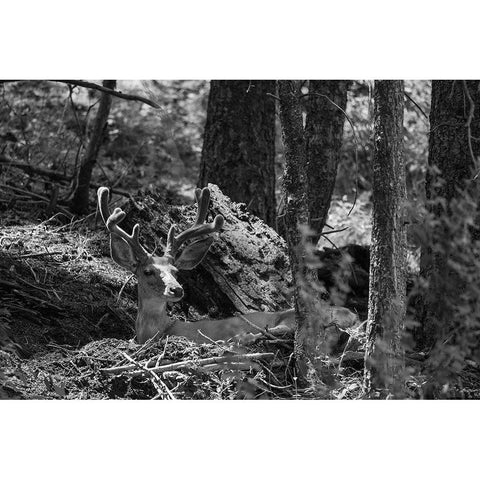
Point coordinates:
[[326, 105], [453, 145], [79, 203], [239, 144], [296, 216], [384, 361]]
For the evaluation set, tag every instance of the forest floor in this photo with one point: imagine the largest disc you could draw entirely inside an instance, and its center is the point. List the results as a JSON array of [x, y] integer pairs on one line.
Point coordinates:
[[68, 308], [67, 320], [67, 312], [67, 323]]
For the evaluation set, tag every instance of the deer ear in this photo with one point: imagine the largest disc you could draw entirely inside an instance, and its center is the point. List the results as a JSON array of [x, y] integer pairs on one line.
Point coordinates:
[[193, 254], [122, 253]]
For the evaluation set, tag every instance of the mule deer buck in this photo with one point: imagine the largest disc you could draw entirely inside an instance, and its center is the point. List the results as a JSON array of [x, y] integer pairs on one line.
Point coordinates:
[[157, 283]]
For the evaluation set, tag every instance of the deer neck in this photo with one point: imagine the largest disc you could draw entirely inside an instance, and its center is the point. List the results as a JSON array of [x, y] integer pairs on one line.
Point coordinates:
[[152, 317]]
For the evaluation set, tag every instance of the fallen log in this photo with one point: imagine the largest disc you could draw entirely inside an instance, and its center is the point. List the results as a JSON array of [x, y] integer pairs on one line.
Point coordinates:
[[246, 269]]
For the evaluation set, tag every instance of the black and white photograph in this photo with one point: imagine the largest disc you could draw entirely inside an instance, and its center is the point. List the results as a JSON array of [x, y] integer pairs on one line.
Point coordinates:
[[239, 239]]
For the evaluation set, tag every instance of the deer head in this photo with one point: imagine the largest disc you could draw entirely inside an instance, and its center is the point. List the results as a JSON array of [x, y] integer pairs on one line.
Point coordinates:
[[157, 283]]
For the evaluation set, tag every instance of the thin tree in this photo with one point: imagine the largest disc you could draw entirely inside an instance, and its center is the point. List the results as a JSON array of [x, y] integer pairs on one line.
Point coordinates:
[[79, 203], [326, 103], [239, 144], [311, 159], [296, 205], [384, 361]]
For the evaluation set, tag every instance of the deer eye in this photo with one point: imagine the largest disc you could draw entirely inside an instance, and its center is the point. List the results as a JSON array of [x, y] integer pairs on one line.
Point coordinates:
[[148, 273]]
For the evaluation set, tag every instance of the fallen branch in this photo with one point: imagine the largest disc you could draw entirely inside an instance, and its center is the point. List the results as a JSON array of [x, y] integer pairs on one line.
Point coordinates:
[[41, 254], [38, 197], [226, 359], [57, 176], [30, 169], [156, 380]]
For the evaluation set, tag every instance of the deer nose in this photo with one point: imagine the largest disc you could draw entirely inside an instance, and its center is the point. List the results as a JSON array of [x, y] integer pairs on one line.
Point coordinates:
[[175, 291]]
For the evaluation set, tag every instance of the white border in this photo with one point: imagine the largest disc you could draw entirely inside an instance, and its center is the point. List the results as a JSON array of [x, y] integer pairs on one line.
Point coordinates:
[[189, 39], [249, 39]]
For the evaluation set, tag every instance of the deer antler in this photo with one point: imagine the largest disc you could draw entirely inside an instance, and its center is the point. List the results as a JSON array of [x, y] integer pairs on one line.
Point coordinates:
[[198, 229], [112, 219]]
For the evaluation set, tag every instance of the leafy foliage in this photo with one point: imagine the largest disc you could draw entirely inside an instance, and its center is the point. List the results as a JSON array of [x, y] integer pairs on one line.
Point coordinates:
[[450, 286], [45, 124]]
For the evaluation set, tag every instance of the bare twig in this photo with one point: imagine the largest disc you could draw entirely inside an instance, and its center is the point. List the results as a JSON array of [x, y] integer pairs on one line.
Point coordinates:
[[256, 328], [417, 105], [273, 96], [39, 197], [232, 366], [114, 93], [335, 231], [30, 169], [60, 177], [156, 380], [119, 296]]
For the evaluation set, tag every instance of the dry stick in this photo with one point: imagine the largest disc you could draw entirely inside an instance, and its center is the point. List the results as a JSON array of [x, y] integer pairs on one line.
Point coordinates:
[[156, 379], [54, 175], [417, 105], [71, 224], [123, 288], [335, 231], [30, 169], [162, 355], [35, 286], [277, 332], [274, 376], [189, 363], [232, 366], [255, 327], [39, 197], [147, 345], [223, 347], [114, 93], [36, 299], [33, 255]]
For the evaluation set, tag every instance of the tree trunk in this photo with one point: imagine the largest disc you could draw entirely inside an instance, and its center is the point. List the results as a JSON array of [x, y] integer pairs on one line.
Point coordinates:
[[79, 203], [326, 105], [386, 314], [453, 145], [296, 216], [239, 144]]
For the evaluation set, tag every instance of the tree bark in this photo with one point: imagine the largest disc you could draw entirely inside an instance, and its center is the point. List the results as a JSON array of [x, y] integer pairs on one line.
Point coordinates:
[[296, 215], [246, 269], [239, 144], [384, 360], [453, 145], [79, 203], [327, 100]]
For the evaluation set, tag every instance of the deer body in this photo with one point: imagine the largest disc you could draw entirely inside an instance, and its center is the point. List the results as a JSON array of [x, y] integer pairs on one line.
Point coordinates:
[[153, 319], [157, 283]]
